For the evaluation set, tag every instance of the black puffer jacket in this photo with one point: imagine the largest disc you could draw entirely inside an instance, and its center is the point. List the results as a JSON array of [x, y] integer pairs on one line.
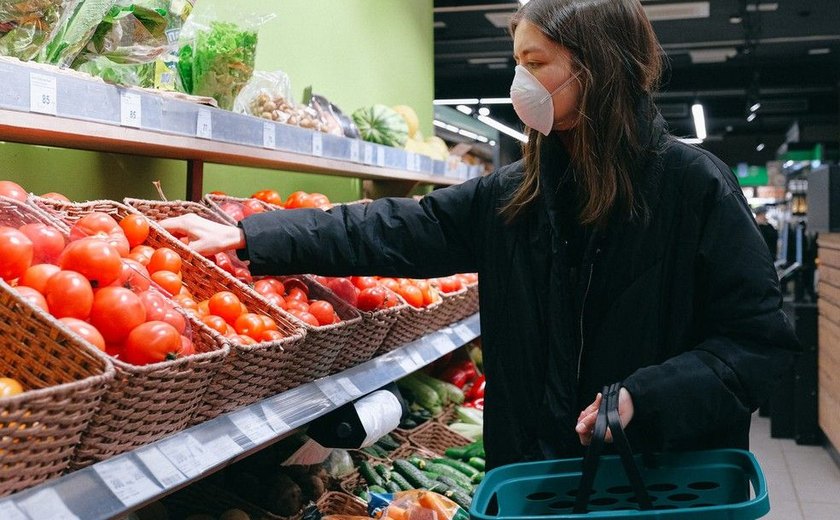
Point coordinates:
[[685, 309]]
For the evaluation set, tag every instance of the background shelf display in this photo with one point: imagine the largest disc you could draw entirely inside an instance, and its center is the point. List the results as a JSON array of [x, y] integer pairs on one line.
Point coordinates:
[[128, 481]]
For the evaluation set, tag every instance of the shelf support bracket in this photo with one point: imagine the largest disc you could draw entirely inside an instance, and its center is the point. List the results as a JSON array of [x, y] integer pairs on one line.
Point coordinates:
[[195, 179]]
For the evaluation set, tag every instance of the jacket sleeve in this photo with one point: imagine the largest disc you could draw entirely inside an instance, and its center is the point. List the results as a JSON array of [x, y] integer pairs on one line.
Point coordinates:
[[743, 339], [436, 236]]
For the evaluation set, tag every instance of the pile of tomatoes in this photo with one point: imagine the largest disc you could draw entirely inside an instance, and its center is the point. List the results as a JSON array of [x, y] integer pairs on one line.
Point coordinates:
[[373, 293], [226, 314], [292, 294], [454, 283]]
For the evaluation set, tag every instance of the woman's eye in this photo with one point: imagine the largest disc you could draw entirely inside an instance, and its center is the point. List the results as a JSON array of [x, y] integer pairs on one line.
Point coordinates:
[[532, 65]]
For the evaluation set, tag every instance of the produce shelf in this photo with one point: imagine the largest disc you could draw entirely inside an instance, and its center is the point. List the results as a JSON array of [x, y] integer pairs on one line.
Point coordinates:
[[45, 106], [131, 480]]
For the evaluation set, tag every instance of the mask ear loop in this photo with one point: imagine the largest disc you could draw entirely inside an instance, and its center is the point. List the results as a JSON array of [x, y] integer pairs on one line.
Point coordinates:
[[561, 87]]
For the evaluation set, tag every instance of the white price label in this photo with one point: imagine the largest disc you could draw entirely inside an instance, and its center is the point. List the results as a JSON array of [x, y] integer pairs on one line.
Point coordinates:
[[368, 154], [219, 450], [186, 454], [331, 390], [126, 481], [464, 333], [418, 357], [418, 162], [252, 426], [9, 511], [204, 124], [317, 144], [131, 110], [380, 157], [407, 364], [46, 504], [269, 134], [354, 151], [163, 470], [409, 160], [43, 96], [443, 344], [273, 418], [349, 387]]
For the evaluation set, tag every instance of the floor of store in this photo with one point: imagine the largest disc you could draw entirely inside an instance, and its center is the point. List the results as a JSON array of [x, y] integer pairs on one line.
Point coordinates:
[[803, 481]]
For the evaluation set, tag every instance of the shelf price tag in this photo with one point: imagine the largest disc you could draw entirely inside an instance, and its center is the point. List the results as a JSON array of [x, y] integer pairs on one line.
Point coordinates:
[[407, 364], [204, 124], [349, 387], [219, 450], [163, 470], [46, 504], [464, 333], [331, 390], [354, 151], [380, 157], [131, 110], [317, 144], [185, 453], [409, 161], [273, 418], [126, 481], [269, 135], [43, 96], [443, 344], [368, 154], [252, 426], [418, 358], [418, 162], [9, 511]]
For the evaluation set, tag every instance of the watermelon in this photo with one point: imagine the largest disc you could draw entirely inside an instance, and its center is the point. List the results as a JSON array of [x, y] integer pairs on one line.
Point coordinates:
[[382, 125]]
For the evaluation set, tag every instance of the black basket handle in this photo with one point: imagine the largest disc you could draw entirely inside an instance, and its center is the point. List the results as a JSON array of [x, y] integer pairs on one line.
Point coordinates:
[[608, 417]]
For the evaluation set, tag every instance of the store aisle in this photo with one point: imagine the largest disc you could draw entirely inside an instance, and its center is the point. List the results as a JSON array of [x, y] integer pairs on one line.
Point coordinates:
[[803, 481]]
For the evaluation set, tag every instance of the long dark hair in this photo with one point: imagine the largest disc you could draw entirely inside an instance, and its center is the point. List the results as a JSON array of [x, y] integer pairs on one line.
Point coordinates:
[[617, 56]]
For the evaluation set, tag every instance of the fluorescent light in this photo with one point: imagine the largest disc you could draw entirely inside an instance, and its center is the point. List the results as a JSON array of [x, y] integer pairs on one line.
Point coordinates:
[[439, 124], [764, 7], [452, 128], [465, 101], [439, 25], [674, 11], [690, 140], [464, 109], [712, 55], [755, 107], [486, 61], [467, 133], [492, 143], [492, 123], [751, 117], [484, 111], [699, 120], [523, 2], [760, 147], [735, 19], [495, 101], [818, 52], [482, 139]]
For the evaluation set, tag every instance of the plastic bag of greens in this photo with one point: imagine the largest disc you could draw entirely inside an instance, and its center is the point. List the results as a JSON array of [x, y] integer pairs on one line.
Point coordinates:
[[216, 59], [131, 74], [27, 25], [74, 31]]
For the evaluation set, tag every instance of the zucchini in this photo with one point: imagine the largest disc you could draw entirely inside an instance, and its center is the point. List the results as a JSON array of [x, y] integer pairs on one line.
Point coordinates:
[[460, 498], [464, 468], [370, 476], [453, 484], [477, 462], [450, 472], [413, 475], [393, 487], [378, 489], [457, 452], [400, 481], [425, 395], [384, 472]]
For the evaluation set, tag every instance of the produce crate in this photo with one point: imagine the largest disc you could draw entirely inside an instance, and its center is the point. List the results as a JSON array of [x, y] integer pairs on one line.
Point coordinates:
[[215, 203], [449, 415], [411, 324], [355, 480], [315, 358], [453, 307], [250, 372], [436, 437], [203, 498], [337, 503], [471, 300], [359, 455], [64, 381]]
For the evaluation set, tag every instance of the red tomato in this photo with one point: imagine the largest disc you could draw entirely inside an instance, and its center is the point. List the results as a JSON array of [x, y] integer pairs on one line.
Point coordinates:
[[297, 305], [216, 323], [217, 192], [279, 288], [136, 229], [152, 342], [305, 317], [47, 242], [268, 323], [391, 299], [168, 281], [450, 284], [308, 202], [243, 274], [86, 331], [364, 282], [296, 199], [251, 207], [243, 340], [98, 261], [319, 200], [187, 347], [249, 324], [13, 190], [224, 261], [115, 312], [412, 295], [372, 299], [16, 252], [54, 195], [233, 210], [204, 308], [69, 294], [270, 196], [275, 300], [176, 319], [186, 302], [344, 289], [102, 226], [36, 276], [33, 297], [271, 335], [226, 305], [264, 287], [297, 294], [323, 312], [165, 259], [389, 283], [141, 254], [154, 304], [133, 276]]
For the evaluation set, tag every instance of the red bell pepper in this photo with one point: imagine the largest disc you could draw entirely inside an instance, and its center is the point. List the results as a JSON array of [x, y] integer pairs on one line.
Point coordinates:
[[478, 404], [477, 390], [456, 376]]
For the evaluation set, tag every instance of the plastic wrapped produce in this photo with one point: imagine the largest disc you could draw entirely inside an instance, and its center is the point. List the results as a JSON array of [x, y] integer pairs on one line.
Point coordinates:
[[26, 26], [74, 30]]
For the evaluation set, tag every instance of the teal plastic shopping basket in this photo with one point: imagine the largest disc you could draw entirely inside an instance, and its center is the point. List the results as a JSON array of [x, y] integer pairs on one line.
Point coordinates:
[[705, 485]]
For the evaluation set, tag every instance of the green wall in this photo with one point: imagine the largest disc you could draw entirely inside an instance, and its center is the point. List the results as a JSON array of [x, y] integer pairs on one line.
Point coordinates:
[[354, 52]]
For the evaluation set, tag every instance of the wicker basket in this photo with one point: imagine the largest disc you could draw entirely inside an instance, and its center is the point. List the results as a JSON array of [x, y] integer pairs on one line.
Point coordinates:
[[448, 416], [355, 480], [471, 300], [250, 372], [65, 380], [336, 503], [436, 437], [411, 324], [453, 307], [158, 210], [209, 499], [215, 202]]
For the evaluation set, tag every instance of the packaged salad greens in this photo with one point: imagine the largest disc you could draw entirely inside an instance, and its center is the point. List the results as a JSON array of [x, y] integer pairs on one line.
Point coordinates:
[[27, 25], [74, 30]]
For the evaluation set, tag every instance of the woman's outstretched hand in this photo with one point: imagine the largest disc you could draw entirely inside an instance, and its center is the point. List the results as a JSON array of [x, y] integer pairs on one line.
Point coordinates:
[[586, 419], [205, 236]]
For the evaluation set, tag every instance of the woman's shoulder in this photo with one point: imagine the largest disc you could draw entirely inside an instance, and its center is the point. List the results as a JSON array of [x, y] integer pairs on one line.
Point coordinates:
[[696, 172]]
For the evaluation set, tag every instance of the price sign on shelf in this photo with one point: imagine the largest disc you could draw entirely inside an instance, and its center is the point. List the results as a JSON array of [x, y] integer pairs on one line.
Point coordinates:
[[43, 95], [418, 162], [331, 390], [186, 454], [46, 504], [409, 160], [204, 124], [269, 135], [126, 481], [220, 449], [131, 110], [274, 420], [354, 151], [464, 333], [317, 144], [368, 154], [407, 364], [9, 511], [380, 157], [443, 344], [163, 470], [349, 387], [252, 426]]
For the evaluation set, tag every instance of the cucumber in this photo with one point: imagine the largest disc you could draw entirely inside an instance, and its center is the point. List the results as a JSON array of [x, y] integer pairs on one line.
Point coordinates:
[[439, 487], [453, 484], [450, 472], [464, 468], [363, 494], [475, 449], [460, 498], [388, 443], [413, 475], [392, 487], [378, 489], [417, 462], [408, 423], [457, 452], [477, 462], [478, 478], [384, 472], [381, 453], [370, 451], [370, 476], [431, 475], [400, 481], [424, 395]]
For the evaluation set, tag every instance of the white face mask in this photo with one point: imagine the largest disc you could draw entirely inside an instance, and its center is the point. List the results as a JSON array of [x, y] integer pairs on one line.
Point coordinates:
[[532, 101]]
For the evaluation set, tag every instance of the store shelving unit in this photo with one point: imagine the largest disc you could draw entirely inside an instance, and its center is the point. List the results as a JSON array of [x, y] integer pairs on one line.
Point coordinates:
[[45, 106], [131, 480]]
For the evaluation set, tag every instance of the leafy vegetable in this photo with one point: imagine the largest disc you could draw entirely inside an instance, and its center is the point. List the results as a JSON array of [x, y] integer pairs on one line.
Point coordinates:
[[222, 61], [135, 74], [25, 27], [74, 32]]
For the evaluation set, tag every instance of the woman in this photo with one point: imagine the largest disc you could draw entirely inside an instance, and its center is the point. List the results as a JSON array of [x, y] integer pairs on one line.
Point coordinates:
[[612, 252]]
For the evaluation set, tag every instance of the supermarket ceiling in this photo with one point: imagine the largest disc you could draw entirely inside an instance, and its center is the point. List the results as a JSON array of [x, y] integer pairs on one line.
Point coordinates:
[[724, 53]]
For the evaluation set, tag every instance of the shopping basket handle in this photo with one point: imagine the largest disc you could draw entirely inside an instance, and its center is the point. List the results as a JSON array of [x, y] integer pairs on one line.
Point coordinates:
[[608, 416]]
